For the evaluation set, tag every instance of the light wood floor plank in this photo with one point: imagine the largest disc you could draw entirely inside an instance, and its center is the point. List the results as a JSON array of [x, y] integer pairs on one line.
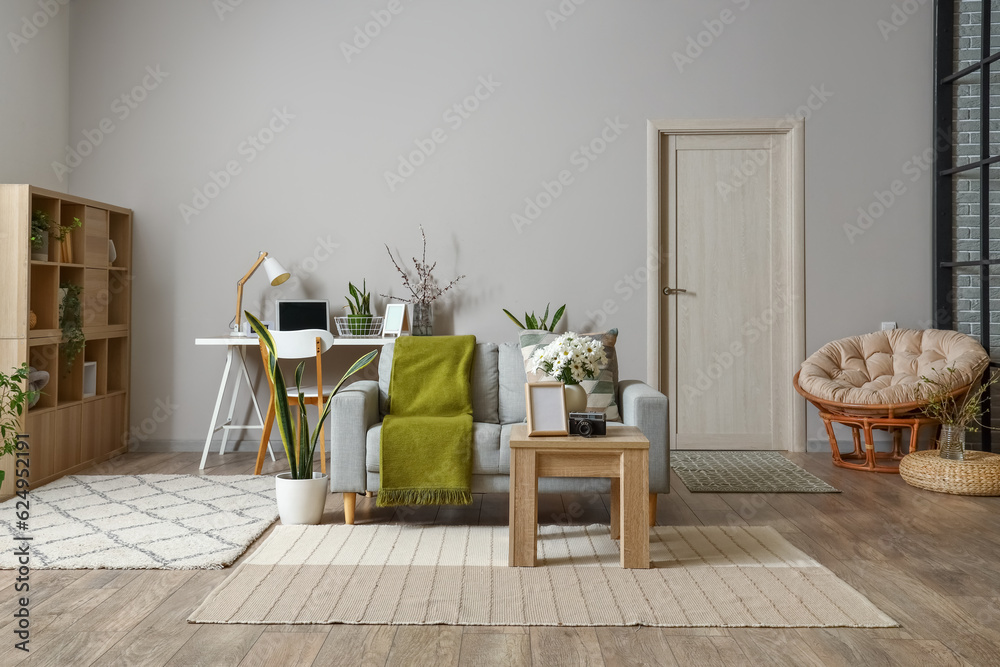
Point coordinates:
[[217, 646], [627, 647], [706, 651], [426, 646], [504, 650], [357, 645], [569, 647], [284, 649]]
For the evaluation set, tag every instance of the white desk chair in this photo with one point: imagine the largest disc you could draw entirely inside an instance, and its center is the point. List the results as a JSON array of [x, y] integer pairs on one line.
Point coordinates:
[[297, 345]]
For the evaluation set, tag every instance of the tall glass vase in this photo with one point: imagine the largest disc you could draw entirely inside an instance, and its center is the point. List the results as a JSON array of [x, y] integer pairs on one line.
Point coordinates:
[[952, 443], [423, 319]]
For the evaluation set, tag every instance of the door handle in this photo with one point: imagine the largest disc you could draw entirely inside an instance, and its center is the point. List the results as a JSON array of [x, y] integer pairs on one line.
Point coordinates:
[[667, 291]]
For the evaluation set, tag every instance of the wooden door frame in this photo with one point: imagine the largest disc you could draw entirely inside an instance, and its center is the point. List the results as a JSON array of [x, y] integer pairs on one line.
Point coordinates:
[[794, 132]]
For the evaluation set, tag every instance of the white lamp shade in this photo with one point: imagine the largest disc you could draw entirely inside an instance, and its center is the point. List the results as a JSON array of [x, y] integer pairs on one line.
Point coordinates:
[[276, 273]]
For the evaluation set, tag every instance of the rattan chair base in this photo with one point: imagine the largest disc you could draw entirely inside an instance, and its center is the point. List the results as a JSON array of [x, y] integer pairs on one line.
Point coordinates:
[[977, 475]]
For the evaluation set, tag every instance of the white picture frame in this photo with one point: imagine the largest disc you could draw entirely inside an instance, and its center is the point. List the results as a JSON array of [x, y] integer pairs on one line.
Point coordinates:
[[396, 320], [546, 408]]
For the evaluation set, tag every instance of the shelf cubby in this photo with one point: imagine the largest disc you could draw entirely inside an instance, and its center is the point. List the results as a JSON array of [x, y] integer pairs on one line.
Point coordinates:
[[119, 298], [46, 358], [120, 232], [117, 366], [95, 297], [97, 352], [44, 297], [70, 377], [50, 207], [95, 234], [73, 247]]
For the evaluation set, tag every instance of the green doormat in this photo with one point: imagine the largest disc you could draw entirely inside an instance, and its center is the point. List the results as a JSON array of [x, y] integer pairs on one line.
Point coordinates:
[[744, 472]]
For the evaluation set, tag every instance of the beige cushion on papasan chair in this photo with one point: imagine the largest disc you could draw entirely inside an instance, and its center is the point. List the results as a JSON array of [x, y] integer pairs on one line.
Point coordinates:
[[885, 367]]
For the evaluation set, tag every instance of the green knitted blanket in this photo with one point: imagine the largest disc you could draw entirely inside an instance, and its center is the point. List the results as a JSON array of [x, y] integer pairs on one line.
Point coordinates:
[[425, 453]]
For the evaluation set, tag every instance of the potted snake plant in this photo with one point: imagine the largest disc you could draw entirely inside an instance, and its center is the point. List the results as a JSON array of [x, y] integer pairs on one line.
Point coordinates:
[[301, 493], [359, 322]]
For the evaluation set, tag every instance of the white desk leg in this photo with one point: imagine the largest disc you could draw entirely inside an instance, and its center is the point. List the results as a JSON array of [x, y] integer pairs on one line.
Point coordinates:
[[218, 405], [232, 409], [253, 396]]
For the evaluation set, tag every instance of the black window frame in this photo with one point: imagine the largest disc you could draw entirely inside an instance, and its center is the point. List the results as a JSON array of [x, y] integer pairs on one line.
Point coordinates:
[[944, 213]]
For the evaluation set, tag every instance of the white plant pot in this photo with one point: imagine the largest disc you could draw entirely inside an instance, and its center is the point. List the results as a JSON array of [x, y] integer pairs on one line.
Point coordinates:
[[41, 254], [301, 501]]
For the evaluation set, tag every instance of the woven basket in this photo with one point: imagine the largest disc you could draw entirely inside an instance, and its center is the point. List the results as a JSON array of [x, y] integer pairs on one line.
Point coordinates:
[[977, 475]]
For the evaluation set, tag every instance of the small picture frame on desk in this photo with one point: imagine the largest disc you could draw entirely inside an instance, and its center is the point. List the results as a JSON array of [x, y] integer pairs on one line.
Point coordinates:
[[396, 321], [248, 330], [546, 408]]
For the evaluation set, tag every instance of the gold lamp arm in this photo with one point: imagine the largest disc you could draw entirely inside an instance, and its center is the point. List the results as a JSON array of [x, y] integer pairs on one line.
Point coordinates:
[[239, 289]]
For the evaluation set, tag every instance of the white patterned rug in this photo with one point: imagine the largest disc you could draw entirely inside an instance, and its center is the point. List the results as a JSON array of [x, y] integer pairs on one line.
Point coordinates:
[[458, 575], [133, 522]]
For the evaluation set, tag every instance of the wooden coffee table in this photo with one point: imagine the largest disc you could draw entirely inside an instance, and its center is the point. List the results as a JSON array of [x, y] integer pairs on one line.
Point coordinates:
[[622, 455]]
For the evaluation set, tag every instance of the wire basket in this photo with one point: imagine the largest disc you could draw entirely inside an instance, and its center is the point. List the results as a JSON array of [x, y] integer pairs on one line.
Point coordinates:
[[358, 328]]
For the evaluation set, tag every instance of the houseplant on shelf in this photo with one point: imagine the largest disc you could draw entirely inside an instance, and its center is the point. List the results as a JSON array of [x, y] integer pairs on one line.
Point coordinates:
[[423, 290], [71, 324], [571, 359], [533, 322], [957, 410], [41, 223], [14, 400], [359, 322], [301, 493]]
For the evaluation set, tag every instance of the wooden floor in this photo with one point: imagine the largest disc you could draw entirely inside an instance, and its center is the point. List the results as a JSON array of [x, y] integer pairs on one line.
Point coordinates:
[[930, 561]]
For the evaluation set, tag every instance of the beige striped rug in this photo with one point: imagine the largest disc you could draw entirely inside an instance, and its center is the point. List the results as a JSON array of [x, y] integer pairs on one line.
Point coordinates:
[[458, 575]]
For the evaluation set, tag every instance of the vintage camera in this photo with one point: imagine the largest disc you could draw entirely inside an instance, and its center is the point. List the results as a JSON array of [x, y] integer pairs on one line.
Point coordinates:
[[587, 424]]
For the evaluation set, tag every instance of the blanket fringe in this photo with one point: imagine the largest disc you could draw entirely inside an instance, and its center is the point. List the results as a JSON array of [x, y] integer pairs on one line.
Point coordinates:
[[396, 497]]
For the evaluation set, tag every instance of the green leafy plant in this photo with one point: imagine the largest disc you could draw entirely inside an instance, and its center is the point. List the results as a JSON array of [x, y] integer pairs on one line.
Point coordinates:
[[41, 223], [533, 322], [359, 301], [300, 445], [953, 407], [14, 400], [71, 323], [61, 231]]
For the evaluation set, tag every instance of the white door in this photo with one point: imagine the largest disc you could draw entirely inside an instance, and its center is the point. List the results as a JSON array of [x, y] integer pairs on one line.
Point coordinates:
[[729, 306]]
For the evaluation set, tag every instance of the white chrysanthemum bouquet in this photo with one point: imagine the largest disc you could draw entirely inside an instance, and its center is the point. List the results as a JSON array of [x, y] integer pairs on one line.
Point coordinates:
[[570, 358]]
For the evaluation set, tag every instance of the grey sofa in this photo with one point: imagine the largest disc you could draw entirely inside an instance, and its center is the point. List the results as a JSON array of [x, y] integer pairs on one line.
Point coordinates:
[[498, 403]]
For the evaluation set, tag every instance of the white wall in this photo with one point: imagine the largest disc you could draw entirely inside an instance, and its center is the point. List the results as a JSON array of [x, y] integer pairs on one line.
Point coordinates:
[[321, 181], [34, 78]]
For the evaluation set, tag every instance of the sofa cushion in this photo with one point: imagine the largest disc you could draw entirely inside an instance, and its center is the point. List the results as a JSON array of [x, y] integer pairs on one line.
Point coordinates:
[[512, 379], [485, 448], [485, 382], [602, 391]]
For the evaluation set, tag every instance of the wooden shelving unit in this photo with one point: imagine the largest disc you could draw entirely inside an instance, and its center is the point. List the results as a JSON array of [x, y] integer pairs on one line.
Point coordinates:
[[68, 431]]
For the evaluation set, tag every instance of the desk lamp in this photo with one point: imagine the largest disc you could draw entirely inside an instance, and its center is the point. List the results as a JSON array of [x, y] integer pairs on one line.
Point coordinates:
[[276, 274]]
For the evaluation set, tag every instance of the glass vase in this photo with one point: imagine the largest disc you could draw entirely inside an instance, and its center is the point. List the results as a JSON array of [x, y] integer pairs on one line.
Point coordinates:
[[423, 319], [952, 443]]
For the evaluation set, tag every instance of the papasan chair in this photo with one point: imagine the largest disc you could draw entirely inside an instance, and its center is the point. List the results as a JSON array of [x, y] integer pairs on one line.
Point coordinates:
[[871, 382]]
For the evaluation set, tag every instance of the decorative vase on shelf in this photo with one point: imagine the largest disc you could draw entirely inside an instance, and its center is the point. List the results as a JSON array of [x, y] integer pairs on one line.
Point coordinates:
[[423, 319], [952, 443], [576, 398]]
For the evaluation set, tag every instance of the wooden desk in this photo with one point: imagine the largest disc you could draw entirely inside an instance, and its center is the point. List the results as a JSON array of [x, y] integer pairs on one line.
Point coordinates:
[[236, 350], [622, 455]]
